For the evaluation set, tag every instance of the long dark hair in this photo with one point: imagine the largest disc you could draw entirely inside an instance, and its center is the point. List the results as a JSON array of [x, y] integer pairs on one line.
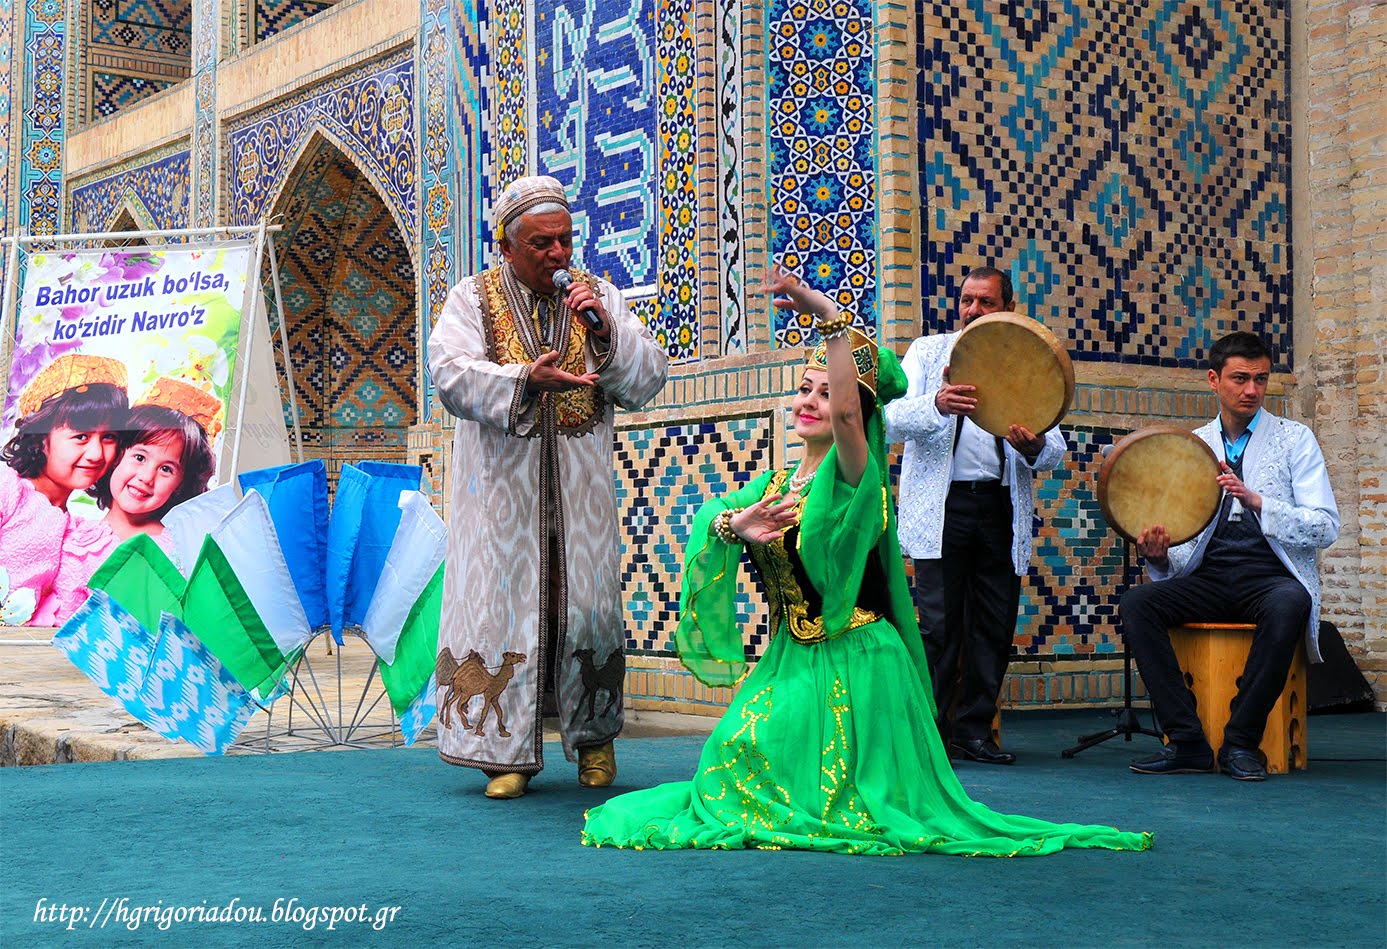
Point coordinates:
[[157, 425], [88, 407]]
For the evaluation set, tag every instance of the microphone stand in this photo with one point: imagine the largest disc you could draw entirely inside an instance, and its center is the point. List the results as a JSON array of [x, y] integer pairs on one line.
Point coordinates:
[[1127, 722]]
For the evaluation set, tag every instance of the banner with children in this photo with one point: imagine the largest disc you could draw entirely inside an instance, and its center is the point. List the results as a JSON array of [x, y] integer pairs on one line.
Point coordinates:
[[120, 379]]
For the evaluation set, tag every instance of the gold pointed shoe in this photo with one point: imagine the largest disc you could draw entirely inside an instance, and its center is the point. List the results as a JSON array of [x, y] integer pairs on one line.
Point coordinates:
[[505, 786], [597, 766]]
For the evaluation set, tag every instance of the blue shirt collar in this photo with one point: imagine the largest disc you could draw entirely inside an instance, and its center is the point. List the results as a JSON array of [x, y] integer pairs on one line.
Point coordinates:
[[1233, 450]]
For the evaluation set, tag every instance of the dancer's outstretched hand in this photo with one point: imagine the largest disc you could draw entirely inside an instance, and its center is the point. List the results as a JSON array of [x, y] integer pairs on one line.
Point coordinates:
[[790, 292], [766, 520]]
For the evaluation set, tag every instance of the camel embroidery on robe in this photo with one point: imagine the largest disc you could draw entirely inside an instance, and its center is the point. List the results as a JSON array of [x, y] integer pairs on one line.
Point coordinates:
[[609, 678], [471, 678]]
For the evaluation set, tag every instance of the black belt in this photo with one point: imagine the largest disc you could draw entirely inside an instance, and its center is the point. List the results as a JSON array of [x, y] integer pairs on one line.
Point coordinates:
[[976, 487]]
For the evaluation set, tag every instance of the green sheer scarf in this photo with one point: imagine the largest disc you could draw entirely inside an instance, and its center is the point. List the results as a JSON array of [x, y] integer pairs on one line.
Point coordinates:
[[842, 524]]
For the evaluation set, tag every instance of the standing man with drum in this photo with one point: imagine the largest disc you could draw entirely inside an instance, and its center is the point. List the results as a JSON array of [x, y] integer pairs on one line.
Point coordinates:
[[1256, 562], [966, 503]]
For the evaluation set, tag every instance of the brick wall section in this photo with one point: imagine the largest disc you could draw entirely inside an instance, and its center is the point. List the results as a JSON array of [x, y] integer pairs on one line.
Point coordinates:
[[1344, 193]]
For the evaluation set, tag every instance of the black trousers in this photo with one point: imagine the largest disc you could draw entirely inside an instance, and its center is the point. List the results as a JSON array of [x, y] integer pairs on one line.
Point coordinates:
[[1271, 598], [968, 600]]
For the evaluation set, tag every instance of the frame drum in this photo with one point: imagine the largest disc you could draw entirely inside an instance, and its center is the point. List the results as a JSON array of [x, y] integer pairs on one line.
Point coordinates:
[[1160, 475], [1022, 373]]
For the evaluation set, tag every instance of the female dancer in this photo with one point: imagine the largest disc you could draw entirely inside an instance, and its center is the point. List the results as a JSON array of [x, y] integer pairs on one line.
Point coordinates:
[[830, 743]]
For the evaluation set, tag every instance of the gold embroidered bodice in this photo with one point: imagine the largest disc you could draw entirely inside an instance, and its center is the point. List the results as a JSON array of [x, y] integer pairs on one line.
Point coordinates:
[[789, 591]]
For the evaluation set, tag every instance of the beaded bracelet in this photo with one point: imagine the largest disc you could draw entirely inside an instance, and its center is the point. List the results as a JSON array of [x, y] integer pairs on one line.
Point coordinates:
[[722, 526], [832, 329]]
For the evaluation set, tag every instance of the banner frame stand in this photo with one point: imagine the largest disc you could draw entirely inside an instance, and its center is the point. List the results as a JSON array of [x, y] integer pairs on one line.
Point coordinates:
[[335, 730], [255, 232], [9, 315]]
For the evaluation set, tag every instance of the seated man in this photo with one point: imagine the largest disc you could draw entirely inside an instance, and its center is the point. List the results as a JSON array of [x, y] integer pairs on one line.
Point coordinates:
[[1256, 562]]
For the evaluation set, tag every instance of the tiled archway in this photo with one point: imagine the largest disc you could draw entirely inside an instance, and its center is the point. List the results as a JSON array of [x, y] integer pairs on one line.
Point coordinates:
[[348, 289]]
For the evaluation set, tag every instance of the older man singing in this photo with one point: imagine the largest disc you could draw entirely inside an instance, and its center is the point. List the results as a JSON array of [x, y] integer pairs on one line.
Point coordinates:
[[532, 604]]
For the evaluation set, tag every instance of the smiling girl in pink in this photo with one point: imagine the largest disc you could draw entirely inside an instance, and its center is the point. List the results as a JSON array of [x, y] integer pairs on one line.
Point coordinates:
[[166, 458], [64, 442]]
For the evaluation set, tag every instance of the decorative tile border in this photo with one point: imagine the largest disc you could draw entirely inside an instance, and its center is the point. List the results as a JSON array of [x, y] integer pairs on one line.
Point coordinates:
[[370, 116], [157, 183], [731, 283], [43, 127], [10, 118], [676, 325], [821, 127]]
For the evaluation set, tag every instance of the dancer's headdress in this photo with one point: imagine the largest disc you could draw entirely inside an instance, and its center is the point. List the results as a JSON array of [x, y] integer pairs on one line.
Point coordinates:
[[864, 354]]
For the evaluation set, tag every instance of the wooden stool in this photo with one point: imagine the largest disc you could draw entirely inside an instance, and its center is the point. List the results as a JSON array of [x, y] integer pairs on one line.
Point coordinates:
[[1212, 656]]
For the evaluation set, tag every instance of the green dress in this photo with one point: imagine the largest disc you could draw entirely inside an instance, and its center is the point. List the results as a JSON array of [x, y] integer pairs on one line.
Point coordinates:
[[830, 743]]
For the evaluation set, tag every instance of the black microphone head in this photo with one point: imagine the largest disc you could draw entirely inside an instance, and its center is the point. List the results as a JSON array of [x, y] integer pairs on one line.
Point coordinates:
[[562, 279]]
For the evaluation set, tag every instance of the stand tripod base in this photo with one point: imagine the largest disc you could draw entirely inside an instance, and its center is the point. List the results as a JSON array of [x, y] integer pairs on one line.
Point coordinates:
[[1127, 726]]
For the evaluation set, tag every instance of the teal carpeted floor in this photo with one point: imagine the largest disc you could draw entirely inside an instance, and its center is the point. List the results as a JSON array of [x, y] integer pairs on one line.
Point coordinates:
[[1296, 861]]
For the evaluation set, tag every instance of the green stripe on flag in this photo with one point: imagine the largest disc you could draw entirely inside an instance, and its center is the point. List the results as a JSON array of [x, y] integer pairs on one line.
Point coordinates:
[[140, 577], [416, 654], [219, 612]]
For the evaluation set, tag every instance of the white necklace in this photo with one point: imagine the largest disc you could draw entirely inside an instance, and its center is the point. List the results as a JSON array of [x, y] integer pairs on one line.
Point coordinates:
[[799, 481]]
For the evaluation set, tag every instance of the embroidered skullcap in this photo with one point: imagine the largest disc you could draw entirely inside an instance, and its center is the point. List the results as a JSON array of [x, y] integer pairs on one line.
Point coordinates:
[[70, 371], [198, 404], [525, 193]]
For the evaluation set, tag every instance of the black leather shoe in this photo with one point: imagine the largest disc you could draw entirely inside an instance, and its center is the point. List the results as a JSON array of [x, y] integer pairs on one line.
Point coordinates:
[[1173, 759], [981, 750], [1242, 764]]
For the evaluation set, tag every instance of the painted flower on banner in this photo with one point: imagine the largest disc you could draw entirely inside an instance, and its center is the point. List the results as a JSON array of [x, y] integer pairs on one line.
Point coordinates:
[[16, 606], [28, 362], [194, 357], [119, 265]]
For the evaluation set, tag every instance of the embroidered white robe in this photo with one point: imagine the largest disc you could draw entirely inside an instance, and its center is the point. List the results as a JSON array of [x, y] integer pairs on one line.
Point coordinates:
[[524, 469]]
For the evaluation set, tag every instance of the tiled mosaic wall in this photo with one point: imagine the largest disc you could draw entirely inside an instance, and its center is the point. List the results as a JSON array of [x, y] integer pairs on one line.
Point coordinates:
[[821, 85], [131, 49], [1068, 601], [276, 16], [663, 475], [348, 291], [338, 162], [612, 119], [1128, 162], [369, 115], [157, 189]]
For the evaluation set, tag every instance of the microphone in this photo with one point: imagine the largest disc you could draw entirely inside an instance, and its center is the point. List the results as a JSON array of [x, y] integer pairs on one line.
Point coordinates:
[[563, 280]]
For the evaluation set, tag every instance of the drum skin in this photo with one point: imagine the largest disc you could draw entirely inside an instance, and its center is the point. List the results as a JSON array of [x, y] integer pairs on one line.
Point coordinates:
[[1160, 475], [1021, 370]]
